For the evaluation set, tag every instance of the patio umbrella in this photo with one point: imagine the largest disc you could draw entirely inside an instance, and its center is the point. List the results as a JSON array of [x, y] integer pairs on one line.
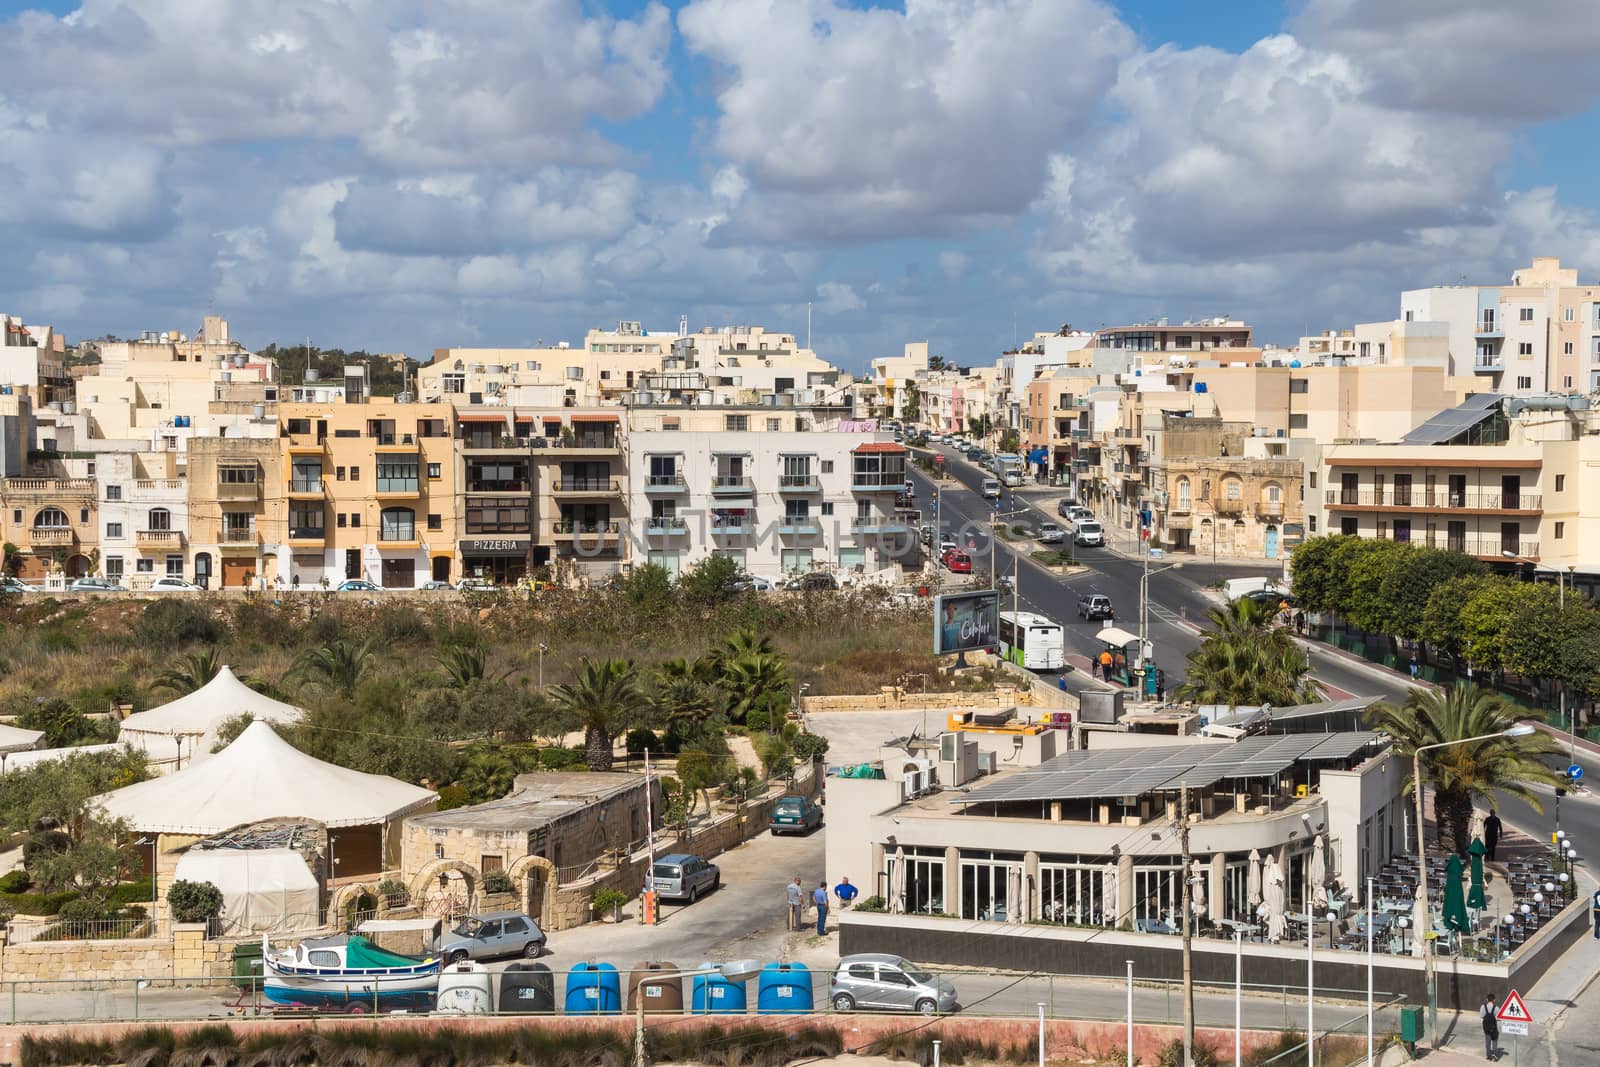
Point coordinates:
[[1475, 895], [1110, 908], [897, 884], [1455, 902], [1255, 878], [1475, 827], [1319, 872], [1273, 899], [1197, 888], [1016, 907]]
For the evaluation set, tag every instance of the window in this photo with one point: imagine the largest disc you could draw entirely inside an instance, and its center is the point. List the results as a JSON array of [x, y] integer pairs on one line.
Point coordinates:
[[340, 520], [1561, 530], [1381, 347], [236, 475], [1299, 385], [398, 524], [174, 566], [1299, 421], [338, 474], [160, 519], [1348, 526], [1524, 348], [435, 521], [305, 476], [1566, 381], [1524, 382], [355, 474], [144, 566], [827, 507], [827, 466], [355, 520], [83, 516], [297, 426], [434, 472], [736, 423], [1312, 519], [236, 526], [306, 520], [1525, 314], [1561, 482], [1567, 314], [1408, 316], [113, 566], [16, 516], [397, 474], [1313, 479], [774, 425], [1566, 348], [1233, 488], [1183, 494], [455, 383], [113, 492], [113, 529]]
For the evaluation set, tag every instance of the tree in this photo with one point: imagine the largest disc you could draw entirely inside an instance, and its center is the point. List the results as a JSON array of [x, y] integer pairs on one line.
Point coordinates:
[[648, 589], [487, 773], [1314, 577], [1530, 645], [464, 665], [59, 791], [10, 557], [603, 702], [90, 860], [1498, 764], [756, 683], [712, 581], [1010, 441], [1245, 660], [64, 726], [1407, 587], [1441, 624], [937, 363], [1368, 564], [910, 405], [191, 672], [339, 665], [194, 902], [1484, 617], [229, 730]]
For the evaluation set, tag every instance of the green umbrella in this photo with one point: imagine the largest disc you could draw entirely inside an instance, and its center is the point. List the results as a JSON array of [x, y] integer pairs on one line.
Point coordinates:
[[1475, 897], [1455, 904]]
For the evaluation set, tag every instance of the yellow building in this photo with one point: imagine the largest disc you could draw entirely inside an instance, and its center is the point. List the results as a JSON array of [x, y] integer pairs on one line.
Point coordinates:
[[238, 504]]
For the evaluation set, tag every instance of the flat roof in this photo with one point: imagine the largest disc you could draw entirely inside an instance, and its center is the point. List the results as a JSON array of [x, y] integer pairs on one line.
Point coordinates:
[[537, 799]]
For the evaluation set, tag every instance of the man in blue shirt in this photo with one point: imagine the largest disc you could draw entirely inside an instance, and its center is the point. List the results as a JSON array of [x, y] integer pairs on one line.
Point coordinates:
[[819, 897], [845, 892]]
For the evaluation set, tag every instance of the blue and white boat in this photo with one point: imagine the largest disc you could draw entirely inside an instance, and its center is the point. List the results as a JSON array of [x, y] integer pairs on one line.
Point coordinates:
[[347, 973]]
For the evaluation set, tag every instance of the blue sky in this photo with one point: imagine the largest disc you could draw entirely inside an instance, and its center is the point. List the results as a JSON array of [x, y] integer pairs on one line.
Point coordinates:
[[406, 175]]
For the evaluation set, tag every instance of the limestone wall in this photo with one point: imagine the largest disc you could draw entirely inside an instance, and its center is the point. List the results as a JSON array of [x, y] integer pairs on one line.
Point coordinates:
[[39, 965]]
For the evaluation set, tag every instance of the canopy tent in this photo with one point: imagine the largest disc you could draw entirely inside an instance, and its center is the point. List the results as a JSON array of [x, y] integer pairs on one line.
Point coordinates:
[[264, 891], [185, 730], [259, 777], [16, 761], [15, 740]]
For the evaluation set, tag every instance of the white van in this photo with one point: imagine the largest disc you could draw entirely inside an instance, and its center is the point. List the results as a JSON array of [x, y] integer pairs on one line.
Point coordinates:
[[1089, 534], [1234, 588]]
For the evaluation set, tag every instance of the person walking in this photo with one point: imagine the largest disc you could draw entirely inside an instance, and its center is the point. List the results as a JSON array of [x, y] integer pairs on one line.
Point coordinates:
[[797, 900], [845, 892], [819, 897], [1416, 667], [1491, 1028], [1105, 665], [1491, 834]]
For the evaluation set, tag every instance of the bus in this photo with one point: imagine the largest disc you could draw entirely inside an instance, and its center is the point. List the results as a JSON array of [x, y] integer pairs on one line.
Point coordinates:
[[1031, 641]]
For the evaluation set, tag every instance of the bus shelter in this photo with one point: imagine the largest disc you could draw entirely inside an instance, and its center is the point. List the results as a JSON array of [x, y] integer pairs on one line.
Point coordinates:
[[1124, 650]]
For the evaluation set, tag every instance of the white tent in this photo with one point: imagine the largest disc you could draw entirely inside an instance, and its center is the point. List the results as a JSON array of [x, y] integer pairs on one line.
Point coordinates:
[[16, 761], [264, 891], [189, 724], [15, 740], [259, 777]]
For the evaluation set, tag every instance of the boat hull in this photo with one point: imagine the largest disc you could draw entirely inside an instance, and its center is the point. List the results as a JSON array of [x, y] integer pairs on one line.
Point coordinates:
[[409, 988]]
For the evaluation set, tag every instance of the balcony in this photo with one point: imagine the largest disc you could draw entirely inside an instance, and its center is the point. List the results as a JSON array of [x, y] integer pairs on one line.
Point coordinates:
[[479, 444], [1489, 328], [799, 526], [250, 490], [666, 526], [1467, 500], [158, 540], [730, 485], [665, 483], [791, 484], [878, 482], [1228, 507], [574, 487], [594, 444], [305, 487], [52, 537], [732, 526], [392, 443], [869, 525], [160, 485], [575, 529], [397, 488], [1488, 365], [1269, 509], [238, 536], [307, 535], [43, 487]]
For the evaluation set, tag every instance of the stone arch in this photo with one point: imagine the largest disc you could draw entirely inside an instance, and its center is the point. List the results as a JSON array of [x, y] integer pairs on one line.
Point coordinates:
[[542, 904], [346, 896], [425, 886]]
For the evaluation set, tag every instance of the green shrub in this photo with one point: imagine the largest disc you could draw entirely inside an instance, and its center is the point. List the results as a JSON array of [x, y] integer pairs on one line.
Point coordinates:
[[809, 747], [1171, 1054], [83, 910], [38, 903], [166, 624], [558, 758], [873, 903], [756, 719], [452, 796], [138, 891], [497, 882], [641, 740], [14, 882], [194, 902], [608, 899], [393, 890]]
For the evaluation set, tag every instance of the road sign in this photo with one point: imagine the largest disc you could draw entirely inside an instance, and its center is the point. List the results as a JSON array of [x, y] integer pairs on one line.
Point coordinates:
[[1513, 1010], [1516, 1029], [1575, 772]]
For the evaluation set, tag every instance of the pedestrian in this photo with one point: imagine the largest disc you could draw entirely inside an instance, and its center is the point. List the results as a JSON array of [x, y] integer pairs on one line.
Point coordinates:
[[845, 892], [1061, 682], [1105, 665], [1491, 1028], [1416, 667], [819, 897], [797, 901], [1491, 834]]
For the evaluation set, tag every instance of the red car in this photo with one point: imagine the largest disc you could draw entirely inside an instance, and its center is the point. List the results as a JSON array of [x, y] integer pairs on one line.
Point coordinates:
[[956, 561]]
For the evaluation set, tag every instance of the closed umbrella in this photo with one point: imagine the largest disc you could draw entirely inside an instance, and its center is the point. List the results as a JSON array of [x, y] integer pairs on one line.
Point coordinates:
[[1273, 899], [1255, 878], [1197, 889], [1475, 895], [1475, 827], [1014, 902], [1455, 901], [1109, 907], [1319, 872], [897, 884]]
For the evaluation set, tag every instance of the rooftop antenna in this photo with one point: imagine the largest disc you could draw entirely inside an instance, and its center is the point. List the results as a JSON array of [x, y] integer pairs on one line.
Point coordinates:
[[683, 325]]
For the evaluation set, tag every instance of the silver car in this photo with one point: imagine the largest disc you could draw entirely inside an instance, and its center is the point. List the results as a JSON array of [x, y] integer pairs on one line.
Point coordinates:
[[499, 933], [681, 876], [880, 982]]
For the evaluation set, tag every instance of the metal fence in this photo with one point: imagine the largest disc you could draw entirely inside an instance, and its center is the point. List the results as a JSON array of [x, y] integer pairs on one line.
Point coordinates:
[[29, 931]]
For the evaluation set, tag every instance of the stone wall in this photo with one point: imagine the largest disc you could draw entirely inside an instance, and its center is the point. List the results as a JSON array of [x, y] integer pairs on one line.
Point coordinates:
[[1023, 690], [38, 965]]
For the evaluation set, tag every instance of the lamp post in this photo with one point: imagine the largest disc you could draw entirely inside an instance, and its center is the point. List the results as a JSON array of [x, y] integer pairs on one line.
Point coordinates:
[[1370, 903], [1519, 730], [1144, 604], [543, 648]]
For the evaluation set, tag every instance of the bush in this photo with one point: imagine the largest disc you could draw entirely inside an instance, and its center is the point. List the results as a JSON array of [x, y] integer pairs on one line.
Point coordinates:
[[873, 903], [14, 882], [641, 740], [756, 719], [168, 623], [810, 747], [83, 910], [1171, 1055], [608, 899], [558, 758], [194, 902], [393, 891], [452, 796]]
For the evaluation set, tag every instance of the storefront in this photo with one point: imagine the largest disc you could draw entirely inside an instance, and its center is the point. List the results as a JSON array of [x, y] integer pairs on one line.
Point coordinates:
[[500, 560]]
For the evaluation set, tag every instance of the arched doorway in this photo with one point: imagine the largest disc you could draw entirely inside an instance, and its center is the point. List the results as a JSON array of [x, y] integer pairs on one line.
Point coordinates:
[[441, 568], [446, 888], [77, 566], [536, 877], [202, 569], [1272, 542]]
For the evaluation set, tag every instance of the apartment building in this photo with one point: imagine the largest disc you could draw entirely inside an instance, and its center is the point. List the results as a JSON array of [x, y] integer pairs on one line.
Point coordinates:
[[143, 515], [238, 510], [1399, 343], [1219, 339], [52, 515], [1539, 334], [894, 381], [766, 489], [33, 358]]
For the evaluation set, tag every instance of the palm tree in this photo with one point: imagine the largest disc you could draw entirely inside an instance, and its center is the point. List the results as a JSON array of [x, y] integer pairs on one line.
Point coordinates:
[[1244, 659], [340, 665], [464, 664], [1498, 764], [604, 701], [755, 683], [679, 700], [191, 672]]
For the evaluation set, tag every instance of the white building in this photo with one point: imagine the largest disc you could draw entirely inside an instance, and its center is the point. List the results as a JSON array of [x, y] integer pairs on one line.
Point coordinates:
[[144, 519]]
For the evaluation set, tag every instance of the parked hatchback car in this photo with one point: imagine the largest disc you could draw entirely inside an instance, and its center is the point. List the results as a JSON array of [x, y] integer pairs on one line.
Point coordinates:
[[881, 982], [1096, 606], [1051, 533], [358, 585], [95, 585], [795, 815], [681, 876], [957, 561], [9, 584], [498, 933], [172, 584]]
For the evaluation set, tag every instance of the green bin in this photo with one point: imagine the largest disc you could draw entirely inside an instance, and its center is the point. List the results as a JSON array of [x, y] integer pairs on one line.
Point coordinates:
[[1411, 1025], [247, 965]]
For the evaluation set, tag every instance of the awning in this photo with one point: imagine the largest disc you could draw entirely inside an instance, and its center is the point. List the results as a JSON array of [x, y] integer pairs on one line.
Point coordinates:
[[479, 416], [1116, 635], [524, 418], [552, 418], [603, 417]]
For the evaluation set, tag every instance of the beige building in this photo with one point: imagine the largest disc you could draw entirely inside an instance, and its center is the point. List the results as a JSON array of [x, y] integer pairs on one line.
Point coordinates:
[[894, 378], [238, 506], [54, 519]]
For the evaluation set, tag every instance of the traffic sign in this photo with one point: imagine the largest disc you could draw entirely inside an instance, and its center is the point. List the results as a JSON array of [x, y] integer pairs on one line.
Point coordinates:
[[1575, 772], [1513, 1010], [1515, 1029]]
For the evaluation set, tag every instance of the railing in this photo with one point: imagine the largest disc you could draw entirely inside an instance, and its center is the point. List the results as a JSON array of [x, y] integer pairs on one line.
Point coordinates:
[[1436, 499], [595, 442], [665, 481], [1224, 506], [160, 538], [806, 483], [1488, 363], [587, 485], [30, 931], [305, 485], [1488, 326], [1270, 509], [497, 487], [159, 483], [307, 533], [406, 486], [730, 525], [52, 535], [726, 482], [49, 485], [798, 524], [236, 536], [666, 524], [878, 480], [572, 527]]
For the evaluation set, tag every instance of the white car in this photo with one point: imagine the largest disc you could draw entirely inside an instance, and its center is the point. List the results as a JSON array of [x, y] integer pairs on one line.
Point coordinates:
[[173, 584], [991, 488]]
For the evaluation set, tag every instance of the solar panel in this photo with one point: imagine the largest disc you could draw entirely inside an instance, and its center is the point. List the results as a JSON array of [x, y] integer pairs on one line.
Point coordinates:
[[1452, 422]]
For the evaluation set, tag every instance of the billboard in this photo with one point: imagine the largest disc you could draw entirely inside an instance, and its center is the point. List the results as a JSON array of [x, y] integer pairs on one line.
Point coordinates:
[[963, 622]]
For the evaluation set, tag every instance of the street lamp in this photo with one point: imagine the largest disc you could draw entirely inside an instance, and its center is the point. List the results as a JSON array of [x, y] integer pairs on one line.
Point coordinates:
[[1521, 729], [1144, 608], [543, 648]]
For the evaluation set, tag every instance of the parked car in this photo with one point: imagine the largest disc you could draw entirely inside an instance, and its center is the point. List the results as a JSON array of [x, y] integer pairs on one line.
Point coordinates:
[[497, 933], [957, 561], [436, 586], [358, 585], [816, 582], [888, 983], [173, 584], [681, 876], [1051, 533], [749, 583], [1088, 533], [1271, 600], [947, 544], [15, 585], [475, 585], [1096, 606], [95, 585], [1064, 507], [795, 815], [925, 533], [911, 489], [991, 489]]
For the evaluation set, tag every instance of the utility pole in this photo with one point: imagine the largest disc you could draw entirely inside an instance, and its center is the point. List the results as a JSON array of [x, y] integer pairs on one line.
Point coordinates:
[[1188, 959]]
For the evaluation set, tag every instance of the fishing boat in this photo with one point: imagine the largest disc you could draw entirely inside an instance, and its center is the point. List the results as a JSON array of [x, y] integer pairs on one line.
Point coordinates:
[[347, 973]]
